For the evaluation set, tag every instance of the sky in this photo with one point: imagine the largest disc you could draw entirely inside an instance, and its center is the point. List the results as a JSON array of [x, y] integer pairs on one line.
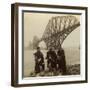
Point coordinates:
[[35, 24]]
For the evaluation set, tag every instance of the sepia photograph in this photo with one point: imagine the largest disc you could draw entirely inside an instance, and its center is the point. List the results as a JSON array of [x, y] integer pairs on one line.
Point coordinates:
[[51, 44]]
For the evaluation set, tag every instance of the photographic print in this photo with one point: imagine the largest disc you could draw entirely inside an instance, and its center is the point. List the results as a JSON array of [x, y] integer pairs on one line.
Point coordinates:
[[50, 44]]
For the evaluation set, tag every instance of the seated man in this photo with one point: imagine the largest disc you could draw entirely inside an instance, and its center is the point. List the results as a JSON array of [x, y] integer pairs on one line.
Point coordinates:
[[51, 60], [39, 61]]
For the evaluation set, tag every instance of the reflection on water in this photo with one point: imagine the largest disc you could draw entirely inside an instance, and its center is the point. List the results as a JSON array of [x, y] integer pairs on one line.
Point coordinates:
[[72, 57]]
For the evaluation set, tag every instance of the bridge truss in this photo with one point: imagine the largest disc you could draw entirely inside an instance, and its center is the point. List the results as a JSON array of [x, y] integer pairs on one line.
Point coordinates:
[[57, 29]]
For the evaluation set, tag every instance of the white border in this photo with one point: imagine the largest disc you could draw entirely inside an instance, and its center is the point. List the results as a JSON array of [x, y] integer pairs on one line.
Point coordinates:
[[33, 80]]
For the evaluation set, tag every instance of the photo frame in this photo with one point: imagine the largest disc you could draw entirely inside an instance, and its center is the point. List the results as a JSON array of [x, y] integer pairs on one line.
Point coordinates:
[[48, 29]]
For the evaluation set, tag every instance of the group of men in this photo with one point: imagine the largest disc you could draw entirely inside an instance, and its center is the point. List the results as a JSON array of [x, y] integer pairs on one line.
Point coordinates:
[[55, 61]]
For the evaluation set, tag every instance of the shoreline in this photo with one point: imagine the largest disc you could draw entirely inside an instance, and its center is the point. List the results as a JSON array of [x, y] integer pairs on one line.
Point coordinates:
[[71, 70]]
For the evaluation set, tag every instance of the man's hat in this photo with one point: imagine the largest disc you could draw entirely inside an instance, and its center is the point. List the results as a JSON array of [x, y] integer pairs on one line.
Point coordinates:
[[38, 47]]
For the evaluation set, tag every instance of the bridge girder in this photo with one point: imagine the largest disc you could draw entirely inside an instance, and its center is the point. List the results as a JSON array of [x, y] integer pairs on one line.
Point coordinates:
[[57, 29]]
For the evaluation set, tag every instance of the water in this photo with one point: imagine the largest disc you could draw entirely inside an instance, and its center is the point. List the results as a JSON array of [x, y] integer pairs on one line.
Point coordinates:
[[72, 57]]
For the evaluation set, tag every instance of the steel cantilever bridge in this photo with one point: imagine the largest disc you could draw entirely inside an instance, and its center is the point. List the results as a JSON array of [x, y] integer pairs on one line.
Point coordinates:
[[57, 29]]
